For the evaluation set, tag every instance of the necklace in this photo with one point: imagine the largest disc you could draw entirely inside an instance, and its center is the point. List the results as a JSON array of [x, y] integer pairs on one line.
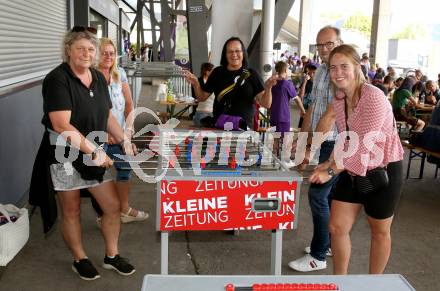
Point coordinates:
[[89, 75]]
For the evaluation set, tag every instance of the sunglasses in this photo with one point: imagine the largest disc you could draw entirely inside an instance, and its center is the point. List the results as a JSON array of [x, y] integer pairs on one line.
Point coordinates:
[[77, 28]]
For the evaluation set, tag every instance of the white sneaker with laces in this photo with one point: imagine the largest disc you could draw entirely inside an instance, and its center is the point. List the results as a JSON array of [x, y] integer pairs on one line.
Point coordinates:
[[328, 253], [307, 263]]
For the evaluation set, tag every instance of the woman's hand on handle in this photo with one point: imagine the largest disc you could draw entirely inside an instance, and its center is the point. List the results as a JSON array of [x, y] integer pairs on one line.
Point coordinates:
[[319, 176], [101, 159]]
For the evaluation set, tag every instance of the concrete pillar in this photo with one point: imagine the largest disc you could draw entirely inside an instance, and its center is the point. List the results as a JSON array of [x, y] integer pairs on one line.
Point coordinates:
[[305, 27], [197, 36], [230, 18], [81, 12], [380, 32], [267, 24]]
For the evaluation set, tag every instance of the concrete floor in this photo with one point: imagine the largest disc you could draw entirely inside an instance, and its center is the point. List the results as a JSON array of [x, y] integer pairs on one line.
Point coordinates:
[[45, 263]]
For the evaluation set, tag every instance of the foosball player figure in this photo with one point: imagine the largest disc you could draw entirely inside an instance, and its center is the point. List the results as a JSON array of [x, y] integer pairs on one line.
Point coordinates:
[[233, 163], [202, 163]]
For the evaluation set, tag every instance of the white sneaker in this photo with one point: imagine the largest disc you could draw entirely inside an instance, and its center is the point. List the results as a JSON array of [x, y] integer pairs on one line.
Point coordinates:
[[307, 263], [289, 164], [328, 253]]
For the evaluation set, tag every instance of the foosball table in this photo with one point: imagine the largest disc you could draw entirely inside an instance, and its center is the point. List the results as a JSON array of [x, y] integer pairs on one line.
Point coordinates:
[[222, 180]]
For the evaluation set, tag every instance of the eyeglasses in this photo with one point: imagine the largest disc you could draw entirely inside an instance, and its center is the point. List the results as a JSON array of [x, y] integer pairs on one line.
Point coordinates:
[[108, 54], [234, 52], [78, 28], [329, 45]]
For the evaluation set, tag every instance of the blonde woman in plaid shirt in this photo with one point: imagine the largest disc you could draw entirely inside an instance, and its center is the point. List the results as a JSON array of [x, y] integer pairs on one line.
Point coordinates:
[[364, 111]]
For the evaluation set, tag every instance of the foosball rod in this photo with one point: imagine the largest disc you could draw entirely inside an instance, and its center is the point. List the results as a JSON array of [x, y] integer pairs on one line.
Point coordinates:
[[283, 286]]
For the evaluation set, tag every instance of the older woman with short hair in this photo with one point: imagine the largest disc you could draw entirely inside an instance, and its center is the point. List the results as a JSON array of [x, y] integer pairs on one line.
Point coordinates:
[[77, 109]]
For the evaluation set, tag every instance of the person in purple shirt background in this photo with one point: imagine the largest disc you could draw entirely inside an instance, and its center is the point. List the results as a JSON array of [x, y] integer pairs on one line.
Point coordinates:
[[282, 92]]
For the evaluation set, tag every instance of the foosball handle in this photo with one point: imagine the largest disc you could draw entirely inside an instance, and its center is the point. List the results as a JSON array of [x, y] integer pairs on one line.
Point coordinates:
[[230, 287]]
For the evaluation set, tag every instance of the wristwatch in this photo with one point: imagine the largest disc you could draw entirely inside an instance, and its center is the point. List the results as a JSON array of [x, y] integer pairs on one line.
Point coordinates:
[[331, 172]]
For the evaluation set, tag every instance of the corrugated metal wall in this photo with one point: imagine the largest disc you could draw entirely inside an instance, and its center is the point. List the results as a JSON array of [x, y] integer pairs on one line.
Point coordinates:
[[30, 38]]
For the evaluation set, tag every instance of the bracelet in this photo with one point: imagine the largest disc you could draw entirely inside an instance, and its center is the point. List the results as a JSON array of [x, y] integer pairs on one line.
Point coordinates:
[[129, 129], [96, 150], [122, 143]]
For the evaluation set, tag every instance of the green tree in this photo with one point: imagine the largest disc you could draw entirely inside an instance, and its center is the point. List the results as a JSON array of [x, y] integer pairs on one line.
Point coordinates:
[[358, 22], [411, 31]]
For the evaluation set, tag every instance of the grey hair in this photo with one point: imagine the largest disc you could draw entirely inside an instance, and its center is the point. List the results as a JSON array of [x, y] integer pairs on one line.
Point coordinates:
[[336, 30], [70, 37]]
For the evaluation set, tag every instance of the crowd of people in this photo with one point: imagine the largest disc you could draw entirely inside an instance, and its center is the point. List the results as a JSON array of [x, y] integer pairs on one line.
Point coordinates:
[[339, 91]]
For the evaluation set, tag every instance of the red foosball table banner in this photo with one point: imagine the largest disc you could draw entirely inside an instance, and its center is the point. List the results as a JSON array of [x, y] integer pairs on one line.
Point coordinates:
[[224, 205]]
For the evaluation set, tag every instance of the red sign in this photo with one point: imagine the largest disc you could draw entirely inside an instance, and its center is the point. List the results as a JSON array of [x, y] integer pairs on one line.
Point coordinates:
[[220, 205]]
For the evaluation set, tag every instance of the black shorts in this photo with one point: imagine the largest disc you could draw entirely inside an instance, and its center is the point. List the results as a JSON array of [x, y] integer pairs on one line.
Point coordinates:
[[378, 205], [402, 115]]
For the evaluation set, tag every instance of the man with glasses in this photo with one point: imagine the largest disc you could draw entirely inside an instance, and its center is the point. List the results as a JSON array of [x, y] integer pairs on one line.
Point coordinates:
[[319, 194]]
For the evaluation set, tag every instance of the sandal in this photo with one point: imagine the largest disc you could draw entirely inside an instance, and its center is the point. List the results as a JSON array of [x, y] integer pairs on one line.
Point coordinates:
[[126, 217]]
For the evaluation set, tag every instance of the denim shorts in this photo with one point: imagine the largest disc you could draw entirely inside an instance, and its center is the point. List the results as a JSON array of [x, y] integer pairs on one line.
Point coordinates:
[[123, 170]]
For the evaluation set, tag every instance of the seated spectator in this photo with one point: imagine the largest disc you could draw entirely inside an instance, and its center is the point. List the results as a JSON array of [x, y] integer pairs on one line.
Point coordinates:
[[386, 86], [392, 73], [388, 83], [402, 101], [432, 93], [418, 92], [431, 135], [418, 75], [398, 82]]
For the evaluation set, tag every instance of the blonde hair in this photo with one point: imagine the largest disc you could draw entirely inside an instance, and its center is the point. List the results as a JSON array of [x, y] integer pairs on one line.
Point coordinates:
[[71, 36], [114, 68], [349, 52]]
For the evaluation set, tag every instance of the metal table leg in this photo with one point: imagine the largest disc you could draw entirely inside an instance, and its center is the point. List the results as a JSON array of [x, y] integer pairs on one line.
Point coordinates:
[[164, 252], [276, 250]]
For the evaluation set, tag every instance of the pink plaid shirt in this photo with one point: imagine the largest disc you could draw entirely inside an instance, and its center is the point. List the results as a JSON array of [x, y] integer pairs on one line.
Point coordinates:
[[373, 121]]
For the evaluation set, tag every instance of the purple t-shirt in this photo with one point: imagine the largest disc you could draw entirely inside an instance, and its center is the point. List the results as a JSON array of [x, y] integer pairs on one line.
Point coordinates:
[[282, 92]]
